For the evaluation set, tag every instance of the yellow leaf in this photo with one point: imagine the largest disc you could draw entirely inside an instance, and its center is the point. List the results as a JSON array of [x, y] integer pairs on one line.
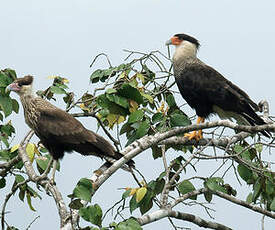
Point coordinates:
[[143, 183], [111, 120], [141, 77], [133, 191], [99, 115], [120, 119], [141, 192], [65, 80], [161, 108], [122, 75], [30, 202], [133, 106], [83, 107], [36, 151], [52, 77], [148, 97], [30, 149], [14, 148]]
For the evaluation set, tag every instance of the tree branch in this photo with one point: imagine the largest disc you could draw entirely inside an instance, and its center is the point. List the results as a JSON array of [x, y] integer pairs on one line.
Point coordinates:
[[162, 213], [147, 141], [45, 182], [244, 204], [8, 165]]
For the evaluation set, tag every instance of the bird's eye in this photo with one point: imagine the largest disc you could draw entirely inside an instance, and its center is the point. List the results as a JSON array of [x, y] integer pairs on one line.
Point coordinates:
[[19, 84]]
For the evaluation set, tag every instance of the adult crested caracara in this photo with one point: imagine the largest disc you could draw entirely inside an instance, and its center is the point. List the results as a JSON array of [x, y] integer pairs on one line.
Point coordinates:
[[206, 90], [59, 131]]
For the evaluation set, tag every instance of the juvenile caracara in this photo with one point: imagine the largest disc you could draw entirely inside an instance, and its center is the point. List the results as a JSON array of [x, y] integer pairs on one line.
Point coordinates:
[[59, 131], [206, 90]]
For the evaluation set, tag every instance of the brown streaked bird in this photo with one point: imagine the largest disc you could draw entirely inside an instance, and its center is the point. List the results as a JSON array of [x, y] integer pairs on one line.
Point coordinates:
[[59, 131], [206, 90]]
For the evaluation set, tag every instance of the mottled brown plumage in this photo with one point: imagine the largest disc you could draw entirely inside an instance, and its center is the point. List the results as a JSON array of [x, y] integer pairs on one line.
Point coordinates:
[[59, 131]]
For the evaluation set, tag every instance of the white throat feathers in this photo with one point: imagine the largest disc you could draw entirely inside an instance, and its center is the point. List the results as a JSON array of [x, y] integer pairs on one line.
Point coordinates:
[[185, 50]]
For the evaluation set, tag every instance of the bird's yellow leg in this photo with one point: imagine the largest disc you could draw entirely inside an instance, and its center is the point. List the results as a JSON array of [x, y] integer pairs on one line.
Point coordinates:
[[196, 134]]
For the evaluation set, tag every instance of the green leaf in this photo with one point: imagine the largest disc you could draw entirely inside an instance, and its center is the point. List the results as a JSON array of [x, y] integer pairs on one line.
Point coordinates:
[[244, 172], [22, 194], [208, 196], [10, 73], [148, 97], [29, 201], [4, 139], [146, 203], [159, 186], [32, 192], [126, 194], [113, 108], [4, 79], [179, 120], [171, 101], [111, 90], [157, 152], [270, 187], [214, 183], [92, 214], [15, 105], [249, 198], [6, 105], [96, 75], [238, 148], [259, 147], [133, 204], [272, 205], [8, 129], [2, 183], [130, 224], [185, 187], [136, 116], [125, 128], [157, 117], [122, 101], [130, 92], [76, 204], [43, 162], [244, 154], [57, 90], [19, 179], [257, 187], [143, 129], [149, 75], [84, 189]]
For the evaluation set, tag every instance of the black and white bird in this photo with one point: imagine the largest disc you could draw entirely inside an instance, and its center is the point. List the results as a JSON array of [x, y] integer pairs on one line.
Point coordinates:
[[206, 90]]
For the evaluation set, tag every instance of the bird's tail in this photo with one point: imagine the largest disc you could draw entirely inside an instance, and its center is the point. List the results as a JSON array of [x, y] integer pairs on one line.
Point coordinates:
[[253, 119]]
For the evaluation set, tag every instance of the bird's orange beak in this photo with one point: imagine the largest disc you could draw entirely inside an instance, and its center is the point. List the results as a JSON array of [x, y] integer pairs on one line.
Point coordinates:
[[173, 41]]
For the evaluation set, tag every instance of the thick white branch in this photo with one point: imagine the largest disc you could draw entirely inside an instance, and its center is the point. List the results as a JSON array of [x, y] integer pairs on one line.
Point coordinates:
[[61, 206], [162, 213], [147, 141]]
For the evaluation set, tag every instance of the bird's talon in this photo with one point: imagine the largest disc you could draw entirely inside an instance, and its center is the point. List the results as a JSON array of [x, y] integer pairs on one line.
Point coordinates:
[[194, 135]]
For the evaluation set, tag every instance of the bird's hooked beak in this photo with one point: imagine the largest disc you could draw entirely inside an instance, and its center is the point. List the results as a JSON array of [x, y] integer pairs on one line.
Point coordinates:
[[173, 41], [12, 87], [168, 42]]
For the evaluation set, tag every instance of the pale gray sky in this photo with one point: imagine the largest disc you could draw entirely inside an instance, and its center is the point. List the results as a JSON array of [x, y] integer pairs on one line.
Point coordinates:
[[50, 37]]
